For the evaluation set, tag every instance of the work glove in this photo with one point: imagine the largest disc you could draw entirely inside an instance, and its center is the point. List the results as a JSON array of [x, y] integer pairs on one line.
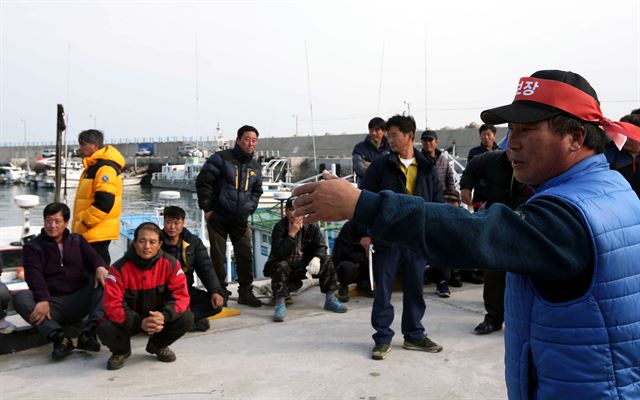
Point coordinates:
[[313, 268]]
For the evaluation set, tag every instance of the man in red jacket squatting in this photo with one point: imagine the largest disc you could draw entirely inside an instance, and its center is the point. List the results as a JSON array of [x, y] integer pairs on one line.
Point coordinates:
[[156, 301]]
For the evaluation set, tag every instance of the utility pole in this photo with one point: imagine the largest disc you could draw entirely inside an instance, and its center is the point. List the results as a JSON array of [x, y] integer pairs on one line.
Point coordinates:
[[296, 117]]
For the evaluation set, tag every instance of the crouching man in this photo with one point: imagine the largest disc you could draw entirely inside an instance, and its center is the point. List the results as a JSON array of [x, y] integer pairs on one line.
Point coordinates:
[[59, 267], [194, 257], [156, 300], [298, 251]]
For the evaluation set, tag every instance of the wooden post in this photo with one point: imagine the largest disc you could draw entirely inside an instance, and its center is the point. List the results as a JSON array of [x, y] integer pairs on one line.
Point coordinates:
[[61, 127]]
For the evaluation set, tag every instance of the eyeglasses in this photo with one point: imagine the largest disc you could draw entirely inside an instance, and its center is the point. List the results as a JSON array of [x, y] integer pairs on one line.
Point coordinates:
[[54, 221]]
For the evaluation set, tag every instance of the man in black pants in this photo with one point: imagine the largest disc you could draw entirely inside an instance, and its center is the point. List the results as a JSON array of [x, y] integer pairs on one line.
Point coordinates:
[[59, 267], [494, 170], [229, 187], [351, 261], [145, 292], [193, 256], [298, 252]]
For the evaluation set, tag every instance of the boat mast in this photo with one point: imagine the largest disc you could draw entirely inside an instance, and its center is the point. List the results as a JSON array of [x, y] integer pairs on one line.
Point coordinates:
[[313, 135]]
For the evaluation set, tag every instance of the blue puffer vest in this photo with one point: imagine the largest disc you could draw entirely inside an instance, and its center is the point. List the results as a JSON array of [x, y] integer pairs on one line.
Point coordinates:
[[588, 348]]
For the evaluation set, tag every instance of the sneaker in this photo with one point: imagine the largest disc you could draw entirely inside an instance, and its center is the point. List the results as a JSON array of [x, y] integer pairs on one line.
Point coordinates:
[[485, 327], [247, 297], [334, 305], [424, 344], [279, 313], [442, 289], [455, 280], [62, 347], [6, 327], [164, 354], [343, 293], [380, 351], [116, 361], [201, 325], [88, 341]]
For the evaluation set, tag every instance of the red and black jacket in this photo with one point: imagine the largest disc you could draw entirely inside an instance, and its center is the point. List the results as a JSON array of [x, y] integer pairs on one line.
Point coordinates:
[[135, 286]]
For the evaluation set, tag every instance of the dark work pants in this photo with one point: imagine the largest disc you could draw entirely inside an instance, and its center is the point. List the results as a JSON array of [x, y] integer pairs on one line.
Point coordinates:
[[284, 277], [439, 274], [118, 338], [65, 310], [241, 239], [102, 248], [349, 272], [5, 298], [387, 262], [493, 296], [200, 303]]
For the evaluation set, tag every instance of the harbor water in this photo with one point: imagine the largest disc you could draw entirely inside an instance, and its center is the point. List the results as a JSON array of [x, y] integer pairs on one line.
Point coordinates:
[[135, 200]]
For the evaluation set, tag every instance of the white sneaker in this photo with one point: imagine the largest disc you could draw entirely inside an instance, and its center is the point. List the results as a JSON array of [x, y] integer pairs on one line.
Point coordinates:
[[6, 327]]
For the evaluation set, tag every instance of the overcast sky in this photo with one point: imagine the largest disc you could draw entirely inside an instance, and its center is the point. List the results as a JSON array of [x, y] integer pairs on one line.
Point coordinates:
[[133, 65]]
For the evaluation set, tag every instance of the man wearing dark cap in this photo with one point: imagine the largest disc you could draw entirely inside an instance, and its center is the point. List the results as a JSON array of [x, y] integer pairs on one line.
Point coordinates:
[[572, 320], [434, 156], [298, 252]]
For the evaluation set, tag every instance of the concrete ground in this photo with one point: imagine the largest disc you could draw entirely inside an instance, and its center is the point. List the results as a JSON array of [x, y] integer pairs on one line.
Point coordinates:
[[314, 354]]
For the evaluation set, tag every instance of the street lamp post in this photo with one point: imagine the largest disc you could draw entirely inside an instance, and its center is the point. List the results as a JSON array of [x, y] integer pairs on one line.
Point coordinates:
[[408, 107], [24, 130], [94, 121]]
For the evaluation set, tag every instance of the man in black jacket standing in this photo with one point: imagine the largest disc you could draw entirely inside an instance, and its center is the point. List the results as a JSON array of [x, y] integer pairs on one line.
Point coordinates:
[[229, 187], [373, 146], [404, 170], [500, 186], [297, 252], [192, 254]]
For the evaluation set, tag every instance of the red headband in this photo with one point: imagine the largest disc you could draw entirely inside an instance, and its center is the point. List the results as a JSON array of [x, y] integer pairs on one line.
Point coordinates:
[[575, 102]]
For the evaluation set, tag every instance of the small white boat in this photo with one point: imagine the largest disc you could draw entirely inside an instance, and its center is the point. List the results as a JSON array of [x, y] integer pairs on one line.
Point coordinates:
[[10, 174]]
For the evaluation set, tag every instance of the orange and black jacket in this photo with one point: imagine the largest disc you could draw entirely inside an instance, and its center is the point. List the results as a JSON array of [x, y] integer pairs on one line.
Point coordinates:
[[135, 286], [98, 204]]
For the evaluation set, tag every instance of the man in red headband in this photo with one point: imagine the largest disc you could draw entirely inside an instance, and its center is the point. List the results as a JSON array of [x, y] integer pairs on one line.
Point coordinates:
[[572, 324]]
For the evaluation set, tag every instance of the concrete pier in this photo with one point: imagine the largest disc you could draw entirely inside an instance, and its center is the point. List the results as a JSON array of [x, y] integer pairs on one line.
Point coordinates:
[[314, 354]]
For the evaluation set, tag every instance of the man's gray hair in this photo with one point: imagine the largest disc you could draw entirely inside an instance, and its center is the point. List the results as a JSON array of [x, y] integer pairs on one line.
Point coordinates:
[[92, 136]]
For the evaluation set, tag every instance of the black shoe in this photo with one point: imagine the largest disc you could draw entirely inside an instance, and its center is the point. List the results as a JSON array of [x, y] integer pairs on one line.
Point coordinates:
[[116, 361], [246, 297], [226, 293], [164, 354], [88, 341], [364, 287], [62, 347], [201, 325], [455, 281], [472, 277], [485, 327], [442, 289], [343, 293]]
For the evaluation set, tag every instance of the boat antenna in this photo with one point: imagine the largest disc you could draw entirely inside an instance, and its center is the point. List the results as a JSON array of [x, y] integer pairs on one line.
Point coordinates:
[[380, 83], [197, 97], [313, 135], [426, 109]]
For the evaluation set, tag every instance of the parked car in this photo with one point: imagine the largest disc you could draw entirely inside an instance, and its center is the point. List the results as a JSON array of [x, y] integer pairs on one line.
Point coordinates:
[[46, 153], [189, 150], [145, 152]]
